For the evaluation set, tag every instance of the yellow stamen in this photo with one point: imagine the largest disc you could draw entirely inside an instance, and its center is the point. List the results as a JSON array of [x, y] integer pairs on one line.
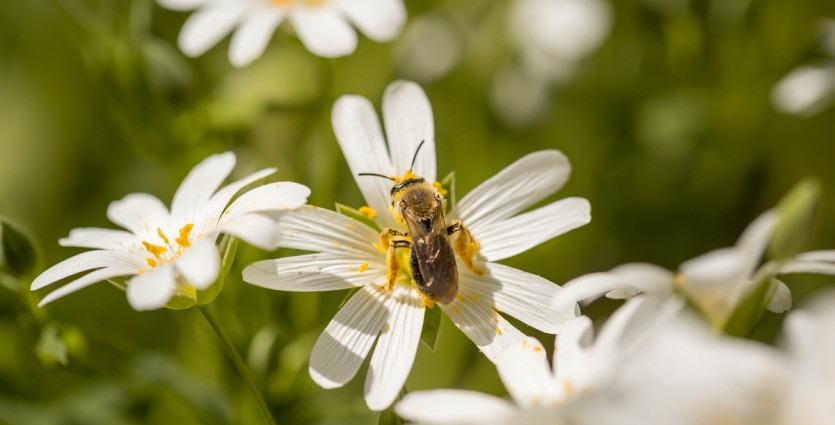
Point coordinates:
[[537, 348], [363, 266], [368, 211], [151, 262], [379, 248], [154, 249], [183, 239], [162, 235], [498, 331], [440, 189]]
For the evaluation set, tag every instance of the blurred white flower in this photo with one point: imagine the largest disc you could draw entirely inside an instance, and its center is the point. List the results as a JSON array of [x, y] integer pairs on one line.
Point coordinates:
[[173, 253], [716, 282], [322, 25], [348, 255], [541, 395], [808, 89]]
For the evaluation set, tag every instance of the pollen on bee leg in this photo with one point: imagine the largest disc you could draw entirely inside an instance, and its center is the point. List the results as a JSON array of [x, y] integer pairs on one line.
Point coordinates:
[[393, 266], [467, 247], [439, 188], [427, 302]]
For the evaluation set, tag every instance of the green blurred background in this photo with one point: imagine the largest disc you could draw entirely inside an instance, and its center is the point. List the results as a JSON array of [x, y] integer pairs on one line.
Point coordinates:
[[668, 126]]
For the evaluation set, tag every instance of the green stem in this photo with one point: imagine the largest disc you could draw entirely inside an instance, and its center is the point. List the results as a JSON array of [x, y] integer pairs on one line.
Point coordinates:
[[239, 364]]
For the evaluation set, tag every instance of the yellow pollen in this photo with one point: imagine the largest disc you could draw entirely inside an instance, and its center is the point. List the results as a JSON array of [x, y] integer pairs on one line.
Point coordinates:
[[162, 235], [457, 309], [498, 331], [537, 348], [183, 239], [154, 249], [336, 244], [460, 297], [440, 189], [476, 297], [524, 343], [406, 176], [388, 328], [368, 211], [151, 262], [427, 302], [363, 266]]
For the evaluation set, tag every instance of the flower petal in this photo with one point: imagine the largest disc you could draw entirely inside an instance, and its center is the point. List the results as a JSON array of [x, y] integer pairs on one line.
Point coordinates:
[[151, 290], [323, 31], [822, 255], [522, 184], [782, 299], [395, 352], [380, 20], [506, 238], [277, 196], [407, 116], [200, 265], [458, 407], [255, 229], [205, 27], [491, 332], [317, 229], [313, 273], [755, 239], [526, 374], [361, 139], [340, 350], [87, 261], [648, 278], [253, 35], [140, 213], [97, 238], [522, 295], [220, 200], [85, 281], [192, 197], [182, 4]]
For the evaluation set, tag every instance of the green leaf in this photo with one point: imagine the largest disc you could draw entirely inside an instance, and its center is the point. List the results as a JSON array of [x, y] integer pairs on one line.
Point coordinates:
[[388, 417], [50, 347], [229, 245], [448, 183], [798, 210], [356, 215], [17, 252], [181, 302], [749, 311], [431, 327]]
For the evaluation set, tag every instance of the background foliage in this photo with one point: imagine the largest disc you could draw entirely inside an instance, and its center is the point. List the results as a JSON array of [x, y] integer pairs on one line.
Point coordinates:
[[668, 126]]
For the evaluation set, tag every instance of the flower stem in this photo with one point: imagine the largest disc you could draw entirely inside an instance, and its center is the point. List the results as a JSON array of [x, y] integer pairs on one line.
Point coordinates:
[[239, 364]]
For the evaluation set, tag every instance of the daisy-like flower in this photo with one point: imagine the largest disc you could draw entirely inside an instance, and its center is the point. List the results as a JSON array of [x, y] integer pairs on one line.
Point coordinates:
[[174, 253], [809, 88], [322, 25], [347, 251], [716, 282], [540, 395]]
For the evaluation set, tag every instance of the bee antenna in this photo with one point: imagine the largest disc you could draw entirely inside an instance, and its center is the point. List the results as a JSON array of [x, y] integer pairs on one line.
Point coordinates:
[[376, 175], [414, 158]]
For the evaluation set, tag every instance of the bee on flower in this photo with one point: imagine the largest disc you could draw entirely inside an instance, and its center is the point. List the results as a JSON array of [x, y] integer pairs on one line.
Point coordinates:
[[405, 253]]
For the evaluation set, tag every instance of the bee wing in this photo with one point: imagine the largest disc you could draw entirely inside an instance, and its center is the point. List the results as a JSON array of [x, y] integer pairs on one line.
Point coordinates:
[[420, 228], [433, 255]]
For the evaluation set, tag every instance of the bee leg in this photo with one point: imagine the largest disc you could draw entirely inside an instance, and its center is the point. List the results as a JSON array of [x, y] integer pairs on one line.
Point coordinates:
[[390, 240], [465, 246]]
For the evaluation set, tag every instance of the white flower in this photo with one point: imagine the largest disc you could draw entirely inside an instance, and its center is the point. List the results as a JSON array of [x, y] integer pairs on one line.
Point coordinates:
[[346, 257], [716, 282], [808, 89], [173, 253], [322, 25], [581, 366]]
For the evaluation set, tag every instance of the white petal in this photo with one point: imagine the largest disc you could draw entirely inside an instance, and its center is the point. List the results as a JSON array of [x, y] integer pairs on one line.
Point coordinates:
[[323, 31], [512, 236], [491, 332], [87, 261], [823, 255], [317, 229], [151, 290], [361, 139], [755, 239], [379, 20], [96, 238], [220, 200], [253, 35], [814, 267], [200, 264], [277, 196], [720, 266], [313, 273], [407, 116], [85, 281], [340, 350], [140, 213], [207, 26], [182, 4], [804, 91], [452, 407], [526, 374], [648, 278], [522, 184], [395, 352], [255, 229], [626, 324], [782, 299], [571, 348], [522, 295], [192, 197]]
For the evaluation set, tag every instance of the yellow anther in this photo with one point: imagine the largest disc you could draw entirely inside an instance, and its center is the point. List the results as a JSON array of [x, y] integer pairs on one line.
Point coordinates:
[[183, 239], [151, 262], [379, 248], [161, 235], [388, 328], [537, 348], [440, 189], [498, 331], [368, 211], [154, 249], [363, 267], [460, 297], [457, 309]]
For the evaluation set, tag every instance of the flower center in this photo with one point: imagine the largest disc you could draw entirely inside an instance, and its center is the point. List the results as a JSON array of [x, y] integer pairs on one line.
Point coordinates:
[[290, 3], [167, 251]]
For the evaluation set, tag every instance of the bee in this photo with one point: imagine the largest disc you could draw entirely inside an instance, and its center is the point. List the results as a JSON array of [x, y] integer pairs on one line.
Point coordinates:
[[419, 206]]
